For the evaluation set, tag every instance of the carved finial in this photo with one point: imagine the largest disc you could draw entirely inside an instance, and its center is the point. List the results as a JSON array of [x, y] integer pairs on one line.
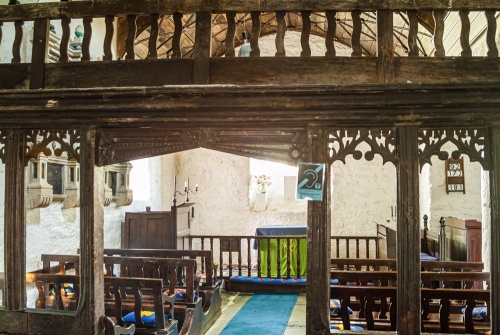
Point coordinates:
[[442, 221], [426, 218]]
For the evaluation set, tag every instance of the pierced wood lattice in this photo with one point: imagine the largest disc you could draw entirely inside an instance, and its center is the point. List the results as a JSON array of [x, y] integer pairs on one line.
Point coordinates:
[[470, 142], [53, 141], [345, 142]]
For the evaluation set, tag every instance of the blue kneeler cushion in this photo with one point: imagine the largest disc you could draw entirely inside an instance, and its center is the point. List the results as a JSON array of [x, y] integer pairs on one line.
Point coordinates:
[[337, 328], [148, 318], [478, 313]]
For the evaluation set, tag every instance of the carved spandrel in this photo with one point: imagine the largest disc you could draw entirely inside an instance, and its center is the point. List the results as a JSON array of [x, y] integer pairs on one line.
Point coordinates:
[[470, 142], [39, 141], [123, 145], [345, 142], [287, 147]]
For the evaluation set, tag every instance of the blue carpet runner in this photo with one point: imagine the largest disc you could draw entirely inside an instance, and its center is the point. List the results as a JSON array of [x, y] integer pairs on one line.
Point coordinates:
[[263, 314]]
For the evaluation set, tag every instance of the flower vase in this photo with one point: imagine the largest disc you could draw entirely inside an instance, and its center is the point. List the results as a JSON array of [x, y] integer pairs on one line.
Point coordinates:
[[260, 202]]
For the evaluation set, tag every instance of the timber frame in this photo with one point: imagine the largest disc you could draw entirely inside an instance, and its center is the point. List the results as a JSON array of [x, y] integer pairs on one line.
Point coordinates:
[[130, 112]]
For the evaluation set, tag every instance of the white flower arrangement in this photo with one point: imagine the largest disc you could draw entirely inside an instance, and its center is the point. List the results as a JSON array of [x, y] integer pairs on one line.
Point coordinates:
[[263, 182]]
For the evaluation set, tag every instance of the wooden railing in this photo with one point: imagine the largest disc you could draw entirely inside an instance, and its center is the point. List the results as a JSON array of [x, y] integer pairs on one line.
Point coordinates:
[[238, 255], [361, 20]]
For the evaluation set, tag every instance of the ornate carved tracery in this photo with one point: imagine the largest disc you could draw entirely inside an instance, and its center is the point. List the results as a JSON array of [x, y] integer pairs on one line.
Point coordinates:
[[344, 142], [53, 141], [470, 142]]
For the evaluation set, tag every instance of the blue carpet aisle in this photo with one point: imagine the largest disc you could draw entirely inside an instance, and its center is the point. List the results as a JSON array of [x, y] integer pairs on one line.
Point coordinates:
[[263, 313]]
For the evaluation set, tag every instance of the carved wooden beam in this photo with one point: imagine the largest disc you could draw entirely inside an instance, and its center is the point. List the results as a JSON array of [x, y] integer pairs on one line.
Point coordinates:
[[78, 9], [221, 106]]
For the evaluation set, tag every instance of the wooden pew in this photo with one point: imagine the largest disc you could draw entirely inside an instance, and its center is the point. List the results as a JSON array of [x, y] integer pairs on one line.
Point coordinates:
[[113, 322], [444, 298], [204, 257], [195, 315], [209, 288], [377, 264]]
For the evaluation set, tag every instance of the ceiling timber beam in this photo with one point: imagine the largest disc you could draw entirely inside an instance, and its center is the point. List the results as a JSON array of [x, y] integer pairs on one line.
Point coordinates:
[[78, 9]]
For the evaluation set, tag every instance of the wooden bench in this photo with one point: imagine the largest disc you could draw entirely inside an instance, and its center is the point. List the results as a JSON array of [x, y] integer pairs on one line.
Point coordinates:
[[209, 289], [154, 299], [376, 264], [367, 300], [204, 257], [195, 315]]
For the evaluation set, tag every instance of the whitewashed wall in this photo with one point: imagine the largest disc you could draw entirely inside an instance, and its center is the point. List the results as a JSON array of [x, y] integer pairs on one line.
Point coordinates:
[[363, 193], [425, 199], [454, 204]]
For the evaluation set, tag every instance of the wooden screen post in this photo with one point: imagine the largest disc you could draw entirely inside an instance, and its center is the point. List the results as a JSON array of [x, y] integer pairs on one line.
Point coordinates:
[[495, 230], [408, 231], [91, 302], [385, 46], [318, 244], [202, 48], [15, 228], [39, 54]]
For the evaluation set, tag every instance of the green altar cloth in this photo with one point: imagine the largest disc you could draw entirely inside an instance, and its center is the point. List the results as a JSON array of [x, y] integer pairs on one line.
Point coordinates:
[[273, 252], [292, 232]]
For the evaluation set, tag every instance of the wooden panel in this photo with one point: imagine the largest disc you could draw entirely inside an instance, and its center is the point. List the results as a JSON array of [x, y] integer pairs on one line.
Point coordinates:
[[57, 323], [271, 70], [119, 74], [448, 70], [14, 322], [14, 76], [100, 9], [149, 230]]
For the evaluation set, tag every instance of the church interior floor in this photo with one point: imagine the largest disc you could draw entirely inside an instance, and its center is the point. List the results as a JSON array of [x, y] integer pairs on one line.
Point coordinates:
[[233, 301]]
